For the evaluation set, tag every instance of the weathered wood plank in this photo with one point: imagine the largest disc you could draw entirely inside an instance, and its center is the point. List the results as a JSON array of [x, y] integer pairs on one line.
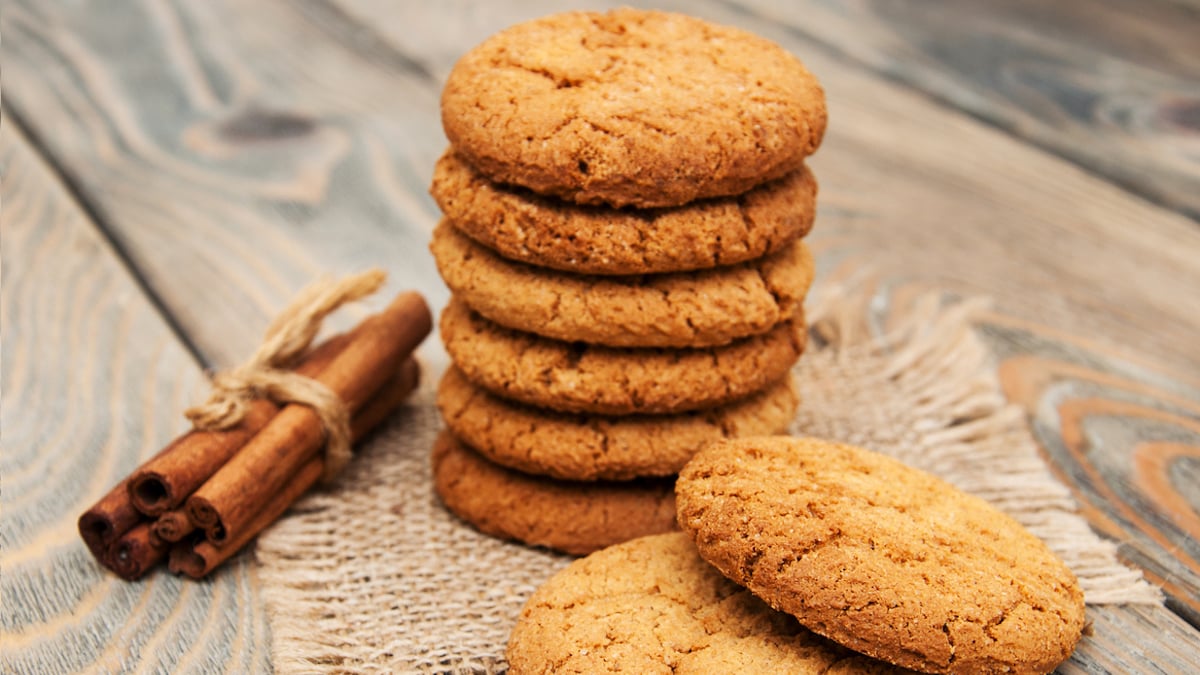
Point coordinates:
[[1114, 647], [1113, 85], [1125, 438], [236, 155], [93, 382]]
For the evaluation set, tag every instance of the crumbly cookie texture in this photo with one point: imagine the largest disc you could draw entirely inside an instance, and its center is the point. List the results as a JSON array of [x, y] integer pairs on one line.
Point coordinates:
[[632, 108], [596, 447], [880, 557], [683, 309], [652, 605], [575, 518], [576, 377], [523, 226]]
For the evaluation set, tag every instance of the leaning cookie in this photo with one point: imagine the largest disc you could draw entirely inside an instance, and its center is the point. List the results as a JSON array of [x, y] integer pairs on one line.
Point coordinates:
[[523, 226], [632, 108], [684, 309], [575, 518], [595, 447], [652, 605], [576, 377], [880, 557]]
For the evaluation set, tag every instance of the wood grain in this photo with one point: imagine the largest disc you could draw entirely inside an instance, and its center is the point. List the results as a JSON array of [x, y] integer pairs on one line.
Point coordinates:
[[1127, 447], [1112, 85], [93, 381], [230, 153], [235, 150]]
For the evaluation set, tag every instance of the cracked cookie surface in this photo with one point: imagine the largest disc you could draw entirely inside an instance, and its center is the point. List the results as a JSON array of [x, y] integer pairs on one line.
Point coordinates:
[[632, 107], [523, 226], [575, 377], [571, 517], [594, 447], [652, 605], [682, 309], [883, 558]]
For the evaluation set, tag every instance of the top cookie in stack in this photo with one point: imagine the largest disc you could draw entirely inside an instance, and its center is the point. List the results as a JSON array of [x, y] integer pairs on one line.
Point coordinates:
[[625, 197], [632, 108]]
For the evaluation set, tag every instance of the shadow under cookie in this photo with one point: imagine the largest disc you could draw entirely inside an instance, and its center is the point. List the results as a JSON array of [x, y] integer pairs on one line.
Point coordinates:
[[595, 447], [683, 309], [575, 518], [576, 377], [523, 226]]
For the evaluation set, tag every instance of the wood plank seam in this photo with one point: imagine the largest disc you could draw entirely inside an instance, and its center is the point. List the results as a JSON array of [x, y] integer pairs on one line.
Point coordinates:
[[79, 196]]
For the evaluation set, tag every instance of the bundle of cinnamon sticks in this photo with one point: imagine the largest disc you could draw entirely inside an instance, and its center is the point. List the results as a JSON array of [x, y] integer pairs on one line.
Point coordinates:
[[208, 493]]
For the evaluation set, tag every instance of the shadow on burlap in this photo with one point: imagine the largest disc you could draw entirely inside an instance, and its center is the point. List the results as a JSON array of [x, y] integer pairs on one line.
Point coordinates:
[[374, 574]]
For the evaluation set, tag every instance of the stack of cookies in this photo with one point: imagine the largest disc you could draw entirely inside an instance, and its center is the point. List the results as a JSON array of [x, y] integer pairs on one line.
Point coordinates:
[[625, 198]]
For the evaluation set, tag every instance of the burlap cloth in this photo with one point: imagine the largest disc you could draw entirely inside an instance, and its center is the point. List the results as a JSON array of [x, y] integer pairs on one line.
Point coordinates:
[[374, 575]]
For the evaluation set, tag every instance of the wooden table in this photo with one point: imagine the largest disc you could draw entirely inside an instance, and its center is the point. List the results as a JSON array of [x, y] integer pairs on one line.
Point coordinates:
[[174, 171]]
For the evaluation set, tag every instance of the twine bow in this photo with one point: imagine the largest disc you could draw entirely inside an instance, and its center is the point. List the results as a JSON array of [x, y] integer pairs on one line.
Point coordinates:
[[268, 373]]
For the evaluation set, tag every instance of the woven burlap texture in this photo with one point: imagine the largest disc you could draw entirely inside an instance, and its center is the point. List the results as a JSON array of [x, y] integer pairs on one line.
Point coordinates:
[[374, 575]]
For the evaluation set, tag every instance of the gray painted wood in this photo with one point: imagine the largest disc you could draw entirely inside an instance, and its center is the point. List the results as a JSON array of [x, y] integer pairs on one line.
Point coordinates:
[[93, 383], [1112, 85]]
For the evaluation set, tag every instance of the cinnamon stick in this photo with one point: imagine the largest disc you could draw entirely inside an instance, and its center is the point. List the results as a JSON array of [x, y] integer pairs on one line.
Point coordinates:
[[237, 492], [198, 559], [110, 517], [135, 552], [108, 520], [173, 525], [386, 400], [117, 512], [164, 482]]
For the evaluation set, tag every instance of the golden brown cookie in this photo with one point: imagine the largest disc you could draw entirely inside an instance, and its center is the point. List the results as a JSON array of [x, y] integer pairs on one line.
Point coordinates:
[[575, 377], [652, 605], [684, 309], [575, 518], [595, 447], [632, 108], [880, 557], [522, 226]]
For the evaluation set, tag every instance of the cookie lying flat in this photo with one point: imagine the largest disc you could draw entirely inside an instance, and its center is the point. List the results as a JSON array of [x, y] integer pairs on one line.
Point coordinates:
[[632, 107], [591, 447], [885, 559], [652, 605], [522, 226], [684, 309], [574, 377], [575, 518]]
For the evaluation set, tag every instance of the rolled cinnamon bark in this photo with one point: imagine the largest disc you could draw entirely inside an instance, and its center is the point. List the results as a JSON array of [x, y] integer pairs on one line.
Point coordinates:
[[163, 483], [173, 525], [197, 559], [232, 497], [112, 516], [170, 473], [108, 520], [135, 552]]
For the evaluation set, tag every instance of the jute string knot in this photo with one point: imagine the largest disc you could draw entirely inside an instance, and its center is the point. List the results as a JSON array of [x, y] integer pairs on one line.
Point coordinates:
[[268, 373]]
